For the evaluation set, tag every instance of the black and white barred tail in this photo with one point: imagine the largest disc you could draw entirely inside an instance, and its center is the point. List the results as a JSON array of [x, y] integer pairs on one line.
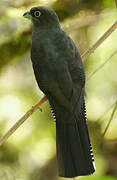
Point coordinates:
[[74, 151]]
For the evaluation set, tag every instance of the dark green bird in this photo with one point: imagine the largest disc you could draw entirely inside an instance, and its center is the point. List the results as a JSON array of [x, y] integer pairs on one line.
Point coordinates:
[[60, 75]]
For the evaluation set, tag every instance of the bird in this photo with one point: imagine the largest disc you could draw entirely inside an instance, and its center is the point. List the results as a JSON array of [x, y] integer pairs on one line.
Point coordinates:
[[60, 75]]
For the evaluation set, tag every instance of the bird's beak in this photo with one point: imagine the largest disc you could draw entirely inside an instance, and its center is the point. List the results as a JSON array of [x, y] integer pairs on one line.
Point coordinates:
[[27, 15]]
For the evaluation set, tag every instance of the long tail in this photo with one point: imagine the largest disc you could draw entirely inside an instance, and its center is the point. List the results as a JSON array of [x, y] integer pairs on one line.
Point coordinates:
[[74, 151]]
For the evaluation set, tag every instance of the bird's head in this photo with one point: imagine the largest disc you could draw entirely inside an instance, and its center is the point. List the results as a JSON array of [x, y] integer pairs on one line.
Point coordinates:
[[42, 16]]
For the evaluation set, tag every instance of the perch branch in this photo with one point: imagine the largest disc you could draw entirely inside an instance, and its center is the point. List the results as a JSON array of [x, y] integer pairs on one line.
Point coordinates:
[[35, 107], [100, 41], [21, 120]]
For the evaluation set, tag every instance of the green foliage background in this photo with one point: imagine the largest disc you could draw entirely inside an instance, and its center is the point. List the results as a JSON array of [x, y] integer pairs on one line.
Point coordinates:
[[30, 153]]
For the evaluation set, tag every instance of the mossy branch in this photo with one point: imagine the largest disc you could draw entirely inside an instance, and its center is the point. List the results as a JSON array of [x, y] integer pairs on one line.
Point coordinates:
[[35, 107]]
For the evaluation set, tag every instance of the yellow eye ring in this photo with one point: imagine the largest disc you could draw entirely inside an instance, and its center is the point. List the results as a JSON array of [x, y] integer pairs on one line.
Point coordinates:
[[37, 14]]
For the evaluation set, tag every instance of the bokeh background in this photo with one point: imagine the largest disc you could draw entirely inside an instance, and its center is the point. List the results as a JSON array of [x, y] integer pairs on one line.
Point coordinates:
[[30, 153]]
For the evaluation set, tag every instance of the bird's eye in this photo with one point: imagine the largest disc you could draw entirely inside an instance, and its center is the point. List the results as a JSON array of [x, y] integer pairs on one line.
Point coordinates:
[[37, 13]]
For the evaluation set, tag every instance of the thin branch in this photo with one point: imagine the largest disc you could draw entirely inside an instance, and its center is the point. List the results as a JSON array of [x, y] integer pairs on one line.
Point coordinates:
[[102, 65], [116, 2], [114, 109], [35, 107], [100, 41], [98, 120], [112, 115], [21, 121]]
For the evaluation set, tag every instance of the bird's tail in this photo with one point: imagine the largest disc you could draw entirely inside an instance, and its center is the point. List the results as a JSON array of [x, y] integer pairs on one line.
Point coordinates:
[[74, 151]]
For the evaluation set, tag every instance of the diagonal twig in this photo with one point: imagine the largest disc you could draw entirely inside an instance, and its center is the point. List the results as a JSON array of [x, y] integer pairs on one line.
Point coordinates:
[[102, 65], [116, 2], [21, 121], [100, 41], [35, 107], [98, 120], [110, 120]]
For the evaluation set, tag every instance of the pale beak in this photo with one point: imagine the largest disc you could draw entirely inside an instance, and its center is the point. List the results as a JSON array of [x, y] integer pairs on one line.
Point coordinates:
[[27, 15]]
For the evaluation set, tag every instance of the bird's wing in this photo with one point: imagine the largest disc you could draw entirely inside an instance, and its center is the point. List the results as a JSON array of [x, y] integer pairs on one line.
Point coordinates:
[[78, 79], [69, 71], [59, 97], [64, 89], [60, 87], [76, 70]]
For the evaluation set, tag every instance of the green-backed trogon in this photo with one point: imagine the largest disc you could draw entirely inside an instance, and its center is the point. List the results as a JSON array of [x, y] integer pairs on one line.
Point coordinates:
[[60, 75]]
